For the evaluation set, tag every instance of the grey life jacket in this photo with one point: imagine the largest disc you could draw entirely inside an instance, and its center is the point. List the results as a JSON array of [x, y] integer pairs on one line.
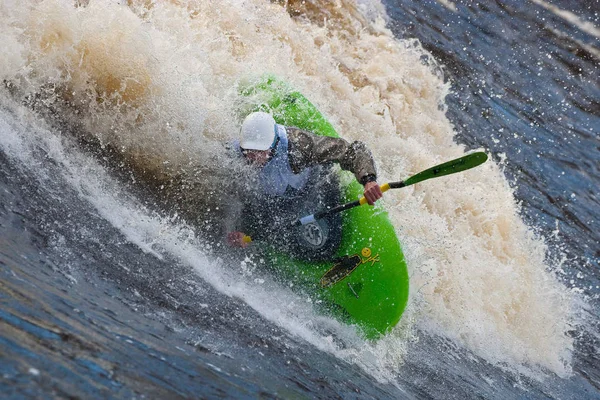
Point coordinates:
[[276, 176]]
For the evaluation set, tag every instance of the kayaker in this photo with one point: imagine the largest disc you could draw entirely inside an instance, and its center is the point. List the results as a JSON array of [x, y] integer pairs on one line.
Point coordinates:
[[294, 179]]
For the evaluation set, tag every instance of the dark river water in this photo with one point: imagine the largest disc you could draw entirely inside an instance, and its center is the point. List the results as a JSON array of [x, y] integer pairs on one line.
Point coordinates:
[[103, 296]]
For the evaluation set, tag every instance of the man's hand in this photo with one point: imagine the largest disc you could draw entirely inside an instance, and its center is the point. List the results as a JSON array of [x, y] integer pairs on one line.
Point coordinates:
[[236, 239], [372, 192]]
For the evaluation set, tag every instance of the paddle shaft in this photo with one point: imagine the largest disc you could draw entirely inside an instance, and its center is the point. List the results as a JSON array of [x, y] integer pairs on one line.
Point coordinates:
[[343, 207], [447, 168]]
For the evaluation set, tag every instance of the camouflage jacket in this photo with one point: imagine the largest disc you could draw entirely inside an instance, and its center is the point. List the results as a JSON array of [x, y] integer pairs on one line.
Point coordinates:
[[307, 149]]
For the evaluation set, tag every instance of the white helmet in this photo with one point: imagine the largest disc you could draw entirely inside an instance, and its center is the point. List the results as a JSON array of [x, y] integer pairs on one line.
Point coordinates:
[[258, 131]]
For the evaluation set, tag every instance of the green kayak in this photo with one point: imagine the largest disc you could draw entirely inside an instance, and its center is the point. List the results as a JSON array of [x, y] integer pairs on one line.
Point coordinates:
[[366, 285]]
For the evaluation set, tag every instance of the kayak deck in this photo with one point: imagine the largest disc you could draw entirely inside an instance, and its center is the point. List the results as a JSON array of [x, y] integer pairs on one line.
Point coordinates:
[[367, 283]]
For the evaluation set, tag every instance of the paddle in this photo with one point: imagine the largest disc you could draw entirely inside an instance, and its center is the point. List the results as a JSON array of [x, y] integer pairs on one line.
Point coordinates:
[[451, 167]]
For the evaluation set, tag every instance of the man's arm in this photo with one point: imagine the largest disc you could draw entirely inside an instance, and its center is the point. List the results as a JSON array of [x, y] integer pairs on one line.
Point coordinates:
[[307, 149]]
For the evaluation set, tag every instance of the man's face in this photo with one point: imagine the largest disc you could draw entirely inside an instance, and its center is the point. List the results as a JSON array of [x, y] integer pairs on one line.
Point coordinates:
[[258, 158]]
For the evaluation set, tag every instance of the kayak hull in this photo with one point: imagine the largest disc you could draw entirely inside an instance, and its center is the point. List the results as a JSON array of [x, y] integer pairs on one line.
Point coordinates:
[[367, 283]]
